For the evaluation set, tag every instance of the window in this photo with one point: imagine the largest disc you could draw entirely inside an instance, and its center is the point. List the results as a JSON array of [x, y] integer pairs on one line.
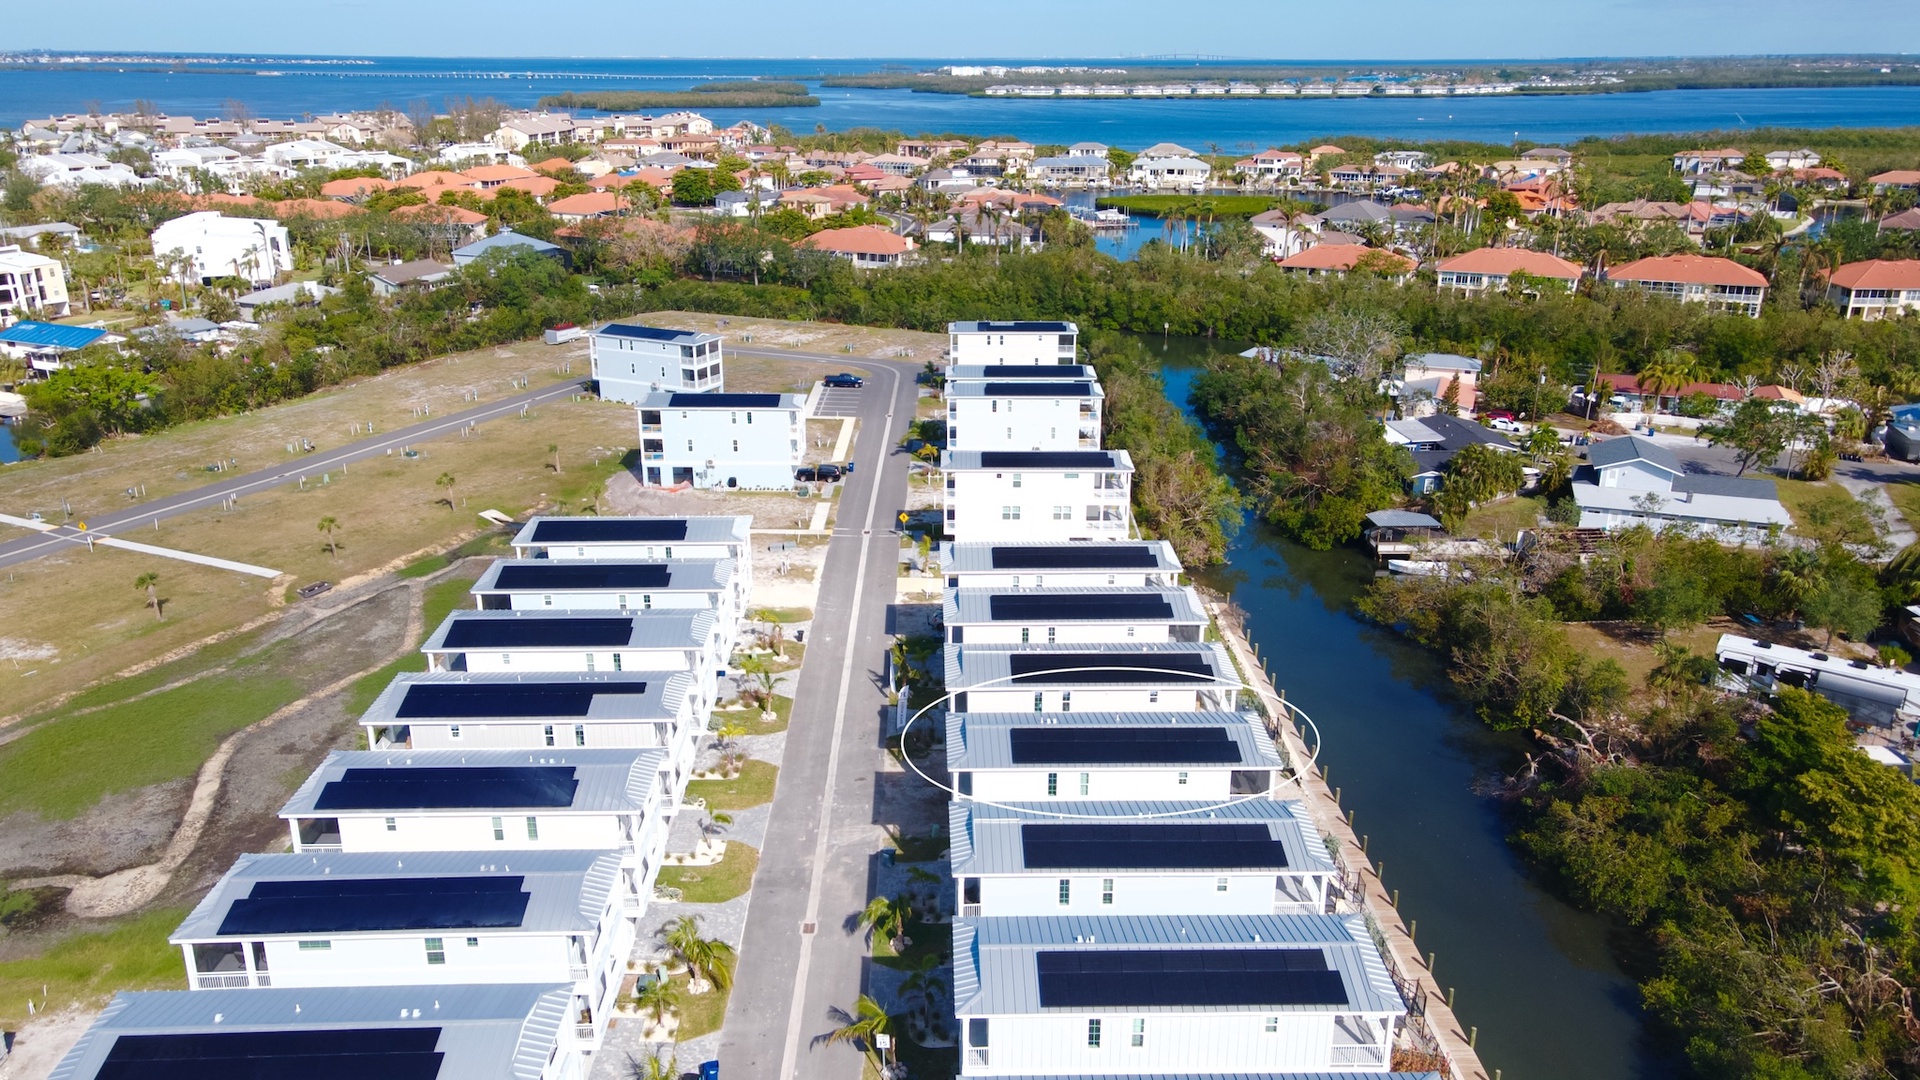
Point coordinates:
[[1129, 631], [1106, 891], [1093, 1034], [1039, 701], [546, 734], [473, 943], [1016, 476], [646, 601], [689, 441], [533, 833], [546, 600], [623, 601], [506, 659], [1182, 780], [618, 664], [499, 831], [977, 1033], [315, 946], [1026, 635], [1053, 634], [393, 825], [1086, 779], [1219, 884], [1063, 513], [453, 731], [1066, 696], [1153, 697], [589, 661], [579, 734], [436, 950], [733, 418], [1066, 891], [1053, 783], [1009, 513], [1139, 1033], [736, 446], [1273, 1024]]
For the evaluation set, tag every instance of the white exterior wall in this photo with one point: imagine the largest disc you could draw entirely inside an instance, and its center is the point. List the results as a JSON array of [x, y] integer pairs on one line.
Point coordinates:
[[728, 603], [253, 249], [1037, 506], [743, 561], [755, 449], [1030, 785], [628, 369], [1166, 892], [1004, 698], [1023, 423], [997, 347], [1638, 475], [30, 282], [1058, 579], [1082, 633], [491, 735], [414, 831], [1174, 1043]]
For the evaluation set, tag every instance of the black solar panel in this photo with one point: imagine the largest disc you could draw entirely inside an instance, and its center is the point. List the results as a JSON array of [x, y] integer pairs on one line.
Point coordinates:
[[454, 701], [1122, 746], [1082, 668], [299, 1054], [1040, 607], [533, 577], [474, 633], [1079, 979], [1046, 459], [453, 787], [1019, 326], [1038, 389], [326, 905], [1035, 371], [724, 401], [1211, 846], [609, 530], [648, 333], [1076, 557]]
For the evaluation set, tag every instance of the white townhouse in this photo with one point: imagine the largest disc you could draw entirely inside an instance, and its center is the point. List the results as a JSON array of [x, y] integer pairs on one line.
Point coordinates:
[[1178, 995], [554, 641], [1123, 563], [564, 799], [79, 170], [1025, 342], [612, 585], [31, 284], [1073, 616], [647, 538], [657, 710], [452, 918], [209, 245], [976, 374], [1252, 857], [1024, 413], [717, 440], [1172, 676], [1055, 757], [502, 1032], [1038, 496], [631, 361]]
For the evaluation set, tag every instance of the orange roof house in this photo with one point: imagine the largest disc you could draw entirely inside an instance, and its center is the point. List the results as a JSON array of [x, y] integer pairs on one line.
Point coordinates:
[[434, 181], [866, 246], [355, 187], [1721, 283], [1876, 288], [1485, 269], [1897, 178], [537, 186], [588, 204], [554, 164], [1336, 260], [492, 176]]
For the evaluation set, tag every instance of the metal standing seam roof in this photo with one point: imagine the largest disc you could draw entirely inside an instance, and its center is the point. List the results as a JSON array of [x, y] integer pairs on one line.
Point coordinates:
[[50, 335], [987, 557], [977, 740], [660, 628], [486, 1032], [616, 697], [506, 239], [993, 667], [1038, 460], [972, 373], [995, 961], [607, 781], [1027, 327], [566, 891], [1178, 604], [986, 838], [586, 531], [1033, 388], [614, 575], [1402, 519]]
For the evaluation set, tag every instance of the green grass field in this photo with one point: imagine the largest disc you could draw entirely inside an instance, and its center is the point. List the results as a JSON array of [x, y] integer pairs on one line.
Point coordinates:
[[87, 968], [723, 881], [1220, 206], [752, 787], [441, 599]]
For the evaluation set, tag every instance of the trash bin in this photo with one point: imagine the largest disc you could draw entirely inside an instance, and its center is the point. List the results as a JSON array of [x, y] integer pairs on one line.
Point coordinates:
[[709, 1070], [886, 857]]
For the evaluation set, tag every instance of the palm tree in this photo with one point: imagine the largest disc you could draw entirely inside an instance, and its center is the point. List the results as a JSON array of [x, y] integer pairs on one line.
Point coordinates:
[[327, 525], [654, 1068], [554, 449], [1666, 374], [887, 918], [150, 581], [728, 735], [859, 1027], [445, 480], [658, 997], [925, 984], [708, 960], [714, 824]]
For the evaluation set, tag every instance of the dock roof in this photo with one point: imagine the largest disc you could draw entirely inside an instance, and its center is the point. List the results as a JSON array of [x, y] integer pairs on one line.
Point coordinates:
[[550, 780]]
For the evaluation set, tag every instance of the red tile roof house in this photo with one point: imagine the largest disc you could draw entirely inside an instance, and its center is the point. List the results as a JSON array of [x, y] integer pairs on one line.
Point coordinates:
[[590, 204], [1629, 397], [1909, 179], [1876, 288], [1717, 282], [868, 247], [1336, 260], [1487, 269], [1907, 220]]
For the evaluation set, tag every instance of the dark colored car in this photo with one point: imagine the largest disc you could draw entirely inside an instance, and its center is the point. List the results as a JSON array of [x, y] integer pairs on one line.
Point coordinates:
[[805, 475], [828, 473], [844, 381]]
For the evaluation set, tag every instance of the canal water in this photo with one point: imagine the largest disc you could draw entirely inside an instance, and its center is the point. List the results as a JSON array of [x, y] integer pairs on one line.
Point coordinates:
[[1535, 976]]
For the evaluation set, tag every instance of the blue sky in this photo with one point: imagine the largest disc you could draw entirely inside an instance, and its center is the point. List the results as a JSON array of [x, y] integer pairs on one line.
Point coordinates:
[[1292, 29]]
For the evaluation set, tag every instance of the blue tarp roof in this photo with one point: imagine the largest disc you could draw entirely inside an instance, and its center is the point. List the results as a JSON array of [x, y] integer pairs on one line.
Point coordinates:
[[44, 334]]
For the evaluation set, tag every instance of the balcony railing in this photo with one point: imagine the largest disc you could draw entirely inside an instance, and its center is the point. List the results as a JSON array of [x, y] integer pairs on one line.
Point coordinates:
[[239, 980], [1358, 1055], [321, 847], [583, 1032], [977, 1056], [576, 971], [969, 911]]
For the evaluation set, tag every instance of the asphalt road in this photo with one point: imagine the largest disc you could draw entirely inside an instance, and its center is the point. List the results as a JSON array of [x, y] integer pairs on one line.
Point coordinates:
[[32, 547], [799, 958]]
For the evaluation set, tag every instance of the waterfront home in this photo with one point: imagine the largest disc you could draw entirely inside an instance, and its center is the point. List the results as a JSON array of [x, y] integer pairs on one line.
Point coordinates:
[[1073, 616], [1434, 440], [752, 442], [1339, 260], [611, 585], [1631, 481], [631, 361], [1871, 694], [1874, 289], [1169, 167], [43, 346], [1905, 221], [1020, 342], [417, 274], [1271, 167], [1695, 162], [588, 537], [31, 284], [206, 245], [1024, 413], [1094, 678], [253, 306], [1086, 995], [867, 247], [1484, 270], [1789, 160], [1426, 377], [1892, 180], [435, 1032], [451, 918], [1357, 215], [1045, 495], [1124, 563], [1165, 752], [1285, 234], [1551, 154], [1137, 857], [1069, 171], [927, 149], [536, 130], [663, 639], [509, 241], [1719, 283]]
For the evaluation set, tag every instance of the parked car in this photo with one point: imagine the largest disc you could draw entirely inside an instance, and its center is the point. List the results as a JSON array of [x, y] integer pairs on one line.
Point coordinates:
[[912, 446], [844, 381], [806, 474], [1504, 423], [828, 473]]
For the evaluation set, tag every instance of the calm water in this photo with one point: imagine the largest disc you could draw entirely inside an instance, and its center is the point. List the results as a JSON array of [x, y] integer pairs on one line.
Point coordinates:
[[281, 89], [1533, 974], [8, 452]]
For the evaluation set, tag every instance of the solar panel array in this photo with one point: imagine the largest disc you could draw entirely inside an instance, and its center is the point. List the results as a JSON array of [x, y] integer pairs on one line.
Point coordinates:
[[648, 333], [1078, 607], [475, 700], [1038, 389], [1062, 745], [1244, 976], [723, 401], [609, 530], [1079, 669], [1035, 371], [326, 905], [1046, 459], [297, 1054], [535, 577], [451, 787], [1126, 846], [1106, 556], [480, 633]]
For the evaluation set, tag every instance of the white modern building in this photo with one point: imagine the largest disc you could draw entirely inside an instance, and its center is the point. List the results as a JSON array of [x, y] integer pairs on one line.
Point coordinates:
[[433, 1032], [79, 170], [1030, 496], [211, 245], [1055, 757], [1251, 857], [1029, 342], [1073, 616], [612, 585], [631, 361], [555, 641], [973, 374], [638, 538], [452, 918], [1086, 996], [718, 440], [1180, 677], [31, 286], [1024, 413], [1124, 563]]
